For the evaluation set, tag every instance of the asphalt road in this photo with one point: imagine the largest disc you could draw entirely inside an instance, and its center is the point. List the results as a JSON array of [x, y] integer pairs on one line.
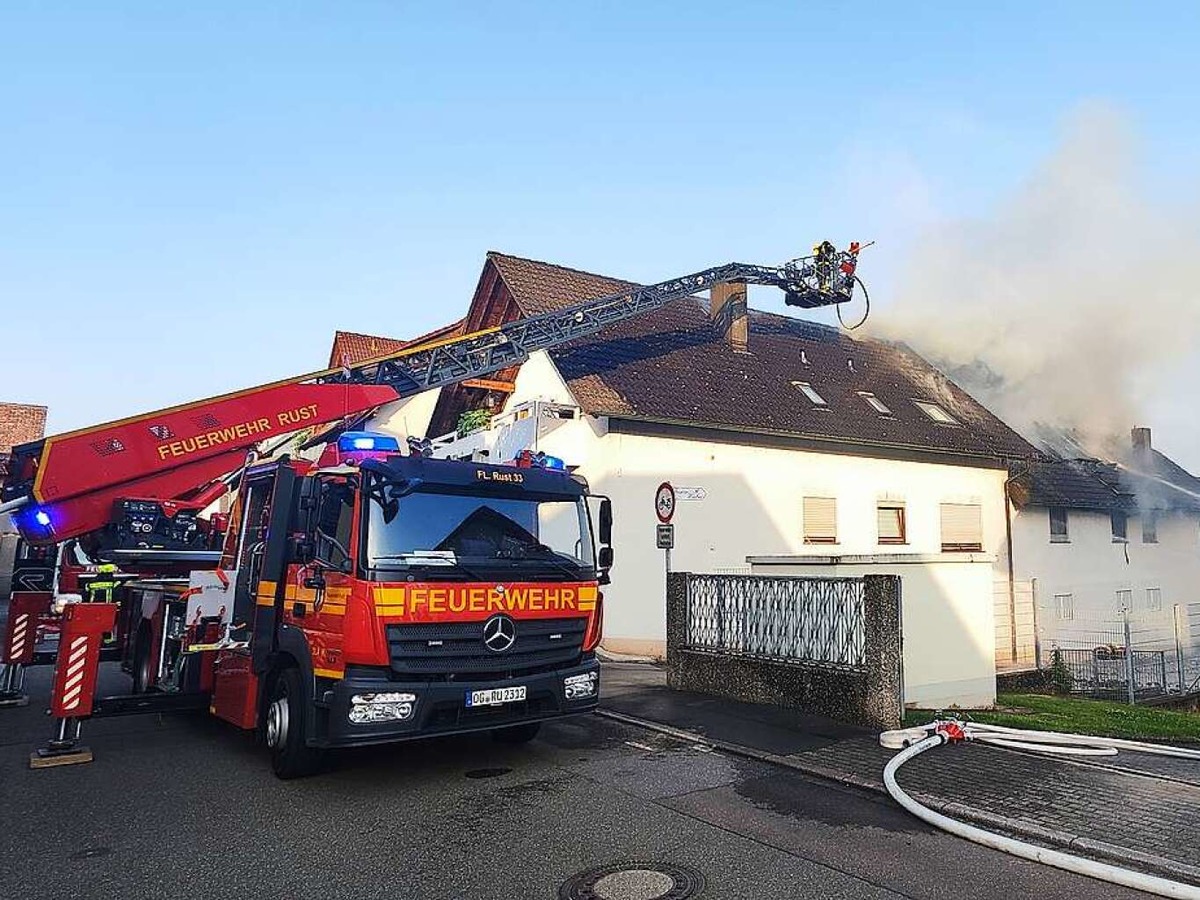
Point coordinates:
[[187, 807]]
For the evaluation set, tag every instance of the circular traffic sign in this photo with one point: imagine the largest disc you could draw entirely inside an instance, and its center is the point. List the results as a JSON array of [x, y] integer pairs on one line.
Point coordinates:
[[664, 502]]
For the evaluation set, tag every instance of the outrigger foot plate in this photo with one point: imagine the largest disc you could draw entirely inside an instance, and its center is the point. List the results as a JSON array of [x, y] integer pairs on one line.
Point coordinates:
[[46, 757]]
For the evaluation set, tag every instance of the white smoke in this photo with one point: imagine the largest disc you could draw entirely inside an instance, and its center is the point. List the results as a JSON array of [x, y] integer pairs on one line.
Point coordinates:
[[1065, 305]]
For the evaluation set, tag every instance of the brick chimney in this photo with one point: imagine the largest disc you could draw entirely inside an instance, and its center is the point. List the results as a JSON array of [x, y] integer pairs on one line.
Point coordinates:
[[1140, 438], [728, 311]]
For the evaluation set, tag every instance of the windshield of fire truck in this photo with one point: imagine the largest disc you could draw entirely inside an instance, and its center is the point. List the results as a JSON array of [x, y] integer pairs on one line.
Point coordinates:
[[460, 535]]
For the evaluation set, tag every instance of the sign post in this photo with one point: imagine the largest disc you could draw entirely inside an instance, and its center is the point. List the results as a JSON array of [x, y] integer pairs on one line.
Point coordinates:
[[664, 508]]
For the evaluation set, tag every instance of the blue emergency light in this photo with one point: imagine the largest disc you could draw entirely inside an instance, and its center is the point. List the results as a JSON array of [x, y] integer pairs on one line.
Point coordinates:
[[528, 459], [366, 441], [34, 522]]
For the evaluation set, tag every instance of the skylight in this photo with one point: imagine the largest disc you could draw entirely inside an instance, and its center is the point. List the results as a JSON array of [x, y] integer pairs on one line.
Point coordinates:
[[875, 403], [810, 392], [935, 412]]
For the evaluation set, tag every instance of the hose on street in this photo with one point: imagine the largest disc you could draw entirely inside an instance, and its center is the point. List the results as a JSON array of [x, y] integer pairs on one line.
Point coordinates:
[[916, 741]]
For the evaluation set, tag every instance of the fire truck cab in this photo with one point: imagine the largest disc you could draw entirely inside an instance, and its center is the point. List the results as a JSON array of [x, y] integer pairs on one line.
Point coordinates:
[[376, 597]]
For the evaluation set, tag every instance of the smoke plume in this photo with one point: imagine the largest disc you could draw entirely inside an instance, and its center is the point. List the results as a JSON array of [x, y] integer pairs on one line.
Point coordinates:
[[1064, 305]]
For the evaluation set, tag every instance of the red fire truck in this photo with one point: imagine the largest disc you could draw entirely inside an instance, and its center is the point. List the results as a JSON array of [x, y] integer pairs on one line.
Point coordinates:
[[363, 596]]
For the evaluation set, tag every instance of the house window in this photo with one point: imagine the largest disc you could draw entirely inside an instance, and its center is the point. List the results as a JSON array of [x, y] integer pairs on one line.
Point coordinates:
[[875, 403], [810, 392], [1064, 607], [1120, 526], [820, 520], [935, 412], [1058, 525], [1124, 601], [891, 523], [1154, 599], [1150, 527], [962, 527]]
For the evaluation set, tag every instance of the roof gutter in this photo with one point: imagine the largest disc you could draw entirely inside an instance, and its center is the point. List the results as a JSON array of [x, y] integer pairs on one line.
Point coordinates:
[[1003, 459]]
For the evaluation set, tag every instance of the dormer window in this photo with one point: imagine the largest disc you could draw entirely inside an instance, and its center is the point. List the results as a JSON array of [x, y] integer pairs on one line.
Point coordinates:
[[875, 403], [935, 412], [810, 392]]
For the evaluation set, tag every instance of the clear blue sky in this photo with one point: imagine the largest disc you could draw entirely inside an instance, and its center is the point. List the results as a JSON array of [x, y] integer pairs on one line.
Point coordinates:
[[194, 196]]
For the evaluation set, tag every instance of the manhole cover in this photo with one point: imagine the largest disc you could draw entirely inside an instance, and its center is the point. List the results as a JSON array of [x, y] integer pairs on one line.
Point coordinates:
[[487, 773], [633, 881]]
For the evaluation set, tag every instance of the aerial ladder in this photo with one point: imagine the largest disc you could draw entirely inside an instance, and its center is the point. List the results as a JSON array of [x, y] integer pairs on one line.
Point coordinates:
[[132, 489], [69, 485]]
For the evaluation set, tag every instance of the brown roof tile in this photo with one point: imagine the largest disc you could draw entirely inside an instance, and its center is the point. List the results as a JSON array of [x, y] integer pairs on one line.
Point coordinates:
[[350, 347], [540, 287], [673, 365]]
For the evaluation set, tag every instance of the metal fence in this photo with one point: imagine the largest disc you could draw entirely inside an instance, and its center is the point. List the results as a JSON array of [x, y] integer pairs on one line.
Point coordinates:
[[1135, 657], [815, 620]]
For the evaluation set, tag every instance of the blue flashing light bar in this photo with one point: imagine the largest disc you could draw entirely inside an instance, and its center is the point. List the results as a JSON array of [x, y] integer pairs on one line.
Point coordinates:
[[367, 442], [528, 459]]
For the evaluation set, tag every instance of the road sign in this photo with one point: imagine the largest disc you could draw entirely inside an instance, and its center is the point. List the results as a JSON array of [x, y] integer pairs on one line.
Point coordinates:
[[665, 536], [664, 502], [690, 493]]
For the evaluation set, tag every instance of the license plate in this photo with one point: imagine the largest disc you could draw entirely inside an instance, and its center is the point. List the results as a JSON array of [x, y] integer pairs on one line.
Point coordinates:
[[496, 696]]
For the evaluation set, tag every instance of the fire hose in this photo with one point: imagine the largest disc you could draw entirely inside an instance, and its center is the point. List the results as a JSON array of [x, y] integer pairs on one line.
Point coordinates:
[[914, 741]]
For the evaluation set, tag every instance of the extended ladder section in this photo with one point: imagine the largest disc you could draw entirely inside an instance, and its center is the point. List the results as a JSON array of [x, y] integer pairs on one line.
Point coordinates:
[[66, 485]]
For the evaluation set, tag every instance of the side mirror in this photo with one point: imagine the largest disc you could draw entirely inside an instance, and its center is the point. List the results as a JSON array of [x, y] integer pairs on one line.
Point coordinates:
[[606, 521], [307, 501], [604, 559]]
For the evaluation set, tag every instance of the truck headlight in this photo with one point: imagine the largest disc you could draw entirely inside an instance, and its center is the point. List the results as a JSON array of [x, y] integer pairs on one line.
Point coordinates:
[[576, 687], [366, 709]]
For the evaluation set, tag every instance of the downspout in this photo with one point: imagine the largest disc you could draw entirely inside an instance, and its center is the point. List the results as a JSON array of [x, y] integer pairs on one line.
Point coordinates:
[[1012, 581]]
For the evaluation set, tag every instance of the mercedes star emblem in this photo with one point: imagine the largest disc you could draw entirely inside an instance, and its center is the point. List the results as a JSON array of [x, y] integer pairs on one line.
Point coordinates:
[[499, 633]]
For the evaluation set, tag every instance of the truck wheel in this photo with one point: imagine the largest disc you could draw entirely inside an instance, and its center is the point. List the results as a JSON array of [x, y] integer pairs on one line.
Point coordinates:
[[517, 734], [286, 715], [143, 663]]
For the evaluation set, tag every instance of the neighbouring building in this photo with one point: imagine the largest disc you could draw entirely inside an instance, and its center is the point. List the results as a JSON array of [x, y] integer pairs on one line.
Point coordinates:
[[1099, 541], [19, 424], [795, 448]]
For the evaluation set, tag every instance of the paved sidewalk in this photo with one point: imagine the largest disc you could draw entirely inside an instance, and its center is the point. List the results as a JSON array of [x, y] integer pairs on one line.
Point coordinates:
[[1135, 810]]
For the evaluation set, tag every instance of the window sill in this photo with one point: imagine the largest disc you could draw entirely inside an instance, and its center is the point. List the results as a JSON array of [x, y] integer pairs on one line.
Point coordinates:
[[1060, 540], [893, 543]]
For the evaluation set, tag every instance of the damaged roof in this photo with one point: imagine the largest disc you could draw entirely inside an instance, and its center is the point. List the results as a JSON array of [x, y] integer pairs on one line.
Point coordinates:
[[1141, 478], [1071, 483]]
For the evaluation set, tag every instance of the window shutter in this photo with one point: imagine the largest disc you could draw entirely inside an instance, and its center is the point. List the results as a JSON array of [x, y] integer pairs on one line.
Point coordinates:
[[891, 524], [962, 526], [820, 520]]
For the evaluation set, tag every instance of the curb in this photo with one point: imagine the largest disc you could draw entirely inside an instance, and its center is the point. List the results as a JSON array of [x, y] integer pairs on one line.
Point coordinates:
[[1134, 859]]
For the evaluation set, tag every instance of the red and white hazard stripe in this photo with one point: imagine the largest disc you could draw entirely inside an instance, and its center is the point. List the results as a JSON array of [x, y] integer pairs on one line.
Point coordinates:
[[76, 661], [20, 634]]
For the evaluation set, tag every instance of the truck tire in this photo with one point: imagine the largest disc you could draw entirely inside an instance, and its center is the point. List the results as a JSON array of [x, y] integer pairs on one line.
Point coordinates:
[[143, 662], [517, 734], [286, 717]]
